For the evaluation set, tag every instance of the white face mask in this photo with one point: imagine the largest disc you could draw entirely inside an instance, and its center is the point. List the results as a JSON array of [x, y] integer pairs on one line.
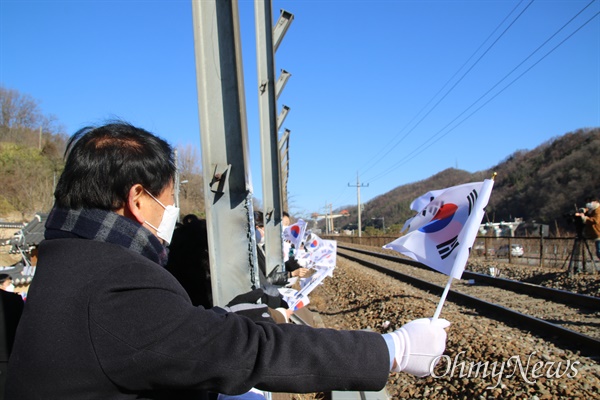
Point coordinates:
[[167, 223], [10, 288]]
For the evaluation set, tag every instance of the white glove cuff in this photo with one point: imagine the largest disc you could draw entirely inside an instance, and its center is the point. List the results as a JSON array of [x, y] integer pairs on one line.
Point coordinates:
[[402, 348]]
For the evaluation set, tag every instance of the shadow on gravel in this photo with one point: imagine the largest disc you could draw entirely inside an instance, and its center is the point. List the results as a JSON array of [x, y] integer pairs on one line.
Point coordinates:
[[583, 283], [572, 323], [365, 306], [543, 278]]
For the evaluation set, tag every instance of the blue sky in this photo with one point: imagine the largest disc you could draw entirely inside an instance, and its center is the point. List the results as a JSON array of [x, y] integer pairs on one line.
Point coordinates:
[[394, 91]]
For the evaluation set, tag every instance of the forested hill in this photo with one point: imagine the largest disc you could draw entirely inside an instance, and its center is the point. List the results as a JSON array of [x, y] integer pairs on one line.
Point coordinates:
[[538, 185]]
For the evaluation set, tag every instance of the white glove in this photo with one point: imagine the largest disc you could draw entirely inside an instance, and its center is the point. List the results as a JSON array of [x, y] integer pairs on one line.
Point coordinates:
[[419, 345], [303, 262]]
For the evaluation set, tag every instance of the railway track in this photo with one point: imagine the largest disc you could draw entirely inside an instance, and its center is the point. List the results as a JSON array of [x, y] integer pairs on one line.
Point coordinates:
[[570, 320]]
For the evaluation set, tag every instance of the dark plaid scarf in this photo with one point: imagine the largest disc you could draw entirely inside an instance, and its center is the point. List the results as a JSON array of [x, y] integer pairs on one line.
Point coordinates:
[[105, 226]]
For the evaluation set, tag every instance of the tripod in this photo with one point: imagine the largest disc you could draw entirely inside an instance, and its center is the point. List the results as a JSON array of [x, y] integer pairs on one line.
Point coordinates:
[[577, 259]]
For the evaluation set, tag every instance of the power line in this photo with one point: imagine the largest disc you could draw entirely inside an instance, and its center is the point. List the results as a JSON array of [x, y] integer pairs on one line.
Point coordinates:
[[429, 142], [389, 149], [416, 153]]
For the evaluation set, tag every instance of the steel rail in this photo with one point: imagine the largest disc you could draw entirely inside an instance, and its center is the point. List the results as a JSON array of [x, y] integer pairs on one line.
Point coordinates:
[[556, 295], [298, 320], [567, 338]]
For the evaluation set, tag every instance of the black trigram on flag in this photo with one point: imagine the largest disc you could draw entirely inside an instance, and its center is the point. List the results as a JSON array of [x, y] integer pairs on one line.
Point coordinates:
[[472, 198], [446, 248]]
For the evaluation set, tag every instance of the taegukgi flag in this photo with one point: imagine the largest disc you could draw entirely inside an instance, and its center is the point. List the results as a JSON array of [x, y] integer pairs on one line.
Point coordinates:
[[312, 242], [326, 254], [295, 233], [442, 233]]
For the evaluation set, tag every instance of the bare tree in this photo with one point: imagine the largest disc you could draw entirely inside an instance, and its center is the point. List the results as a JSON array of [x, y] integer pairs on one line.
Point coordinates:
[[31, 147], [22, 121], [26, 179], [191, 190]]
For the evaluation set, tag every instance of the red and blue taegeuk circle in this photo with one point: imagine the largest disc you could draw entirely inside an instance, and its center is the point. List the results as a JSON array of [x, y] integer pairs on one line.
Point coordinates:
[[442, 218], [295, 230]]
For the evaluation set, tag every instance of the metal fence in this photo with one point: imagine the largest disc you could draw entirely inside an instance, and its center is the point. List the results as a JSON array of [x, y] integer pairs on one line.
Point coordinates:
[[558, 253]]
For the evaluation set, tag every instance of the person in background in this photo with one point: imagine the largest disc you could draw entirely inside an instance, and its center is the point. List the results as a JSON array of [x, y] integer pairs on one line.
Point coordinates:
[[188, 259], [591, 221], [6, 283], [291, 265], [11, 308], [278, 277], [122, 327]]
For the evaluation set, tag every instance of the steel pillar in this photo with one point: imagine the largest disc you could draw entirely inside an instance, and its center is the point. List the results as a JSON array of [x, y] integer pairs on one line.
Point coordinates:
[[224, 139]]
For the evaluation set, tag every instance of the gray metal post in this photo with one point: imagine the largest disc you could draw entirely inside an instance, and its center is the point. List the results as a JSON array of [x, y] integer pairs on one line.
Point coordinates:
[[267, 101], [284, 76], [541, 246], [177, 177], [359, 207], [223, 133], [281, 117], [284, 144]]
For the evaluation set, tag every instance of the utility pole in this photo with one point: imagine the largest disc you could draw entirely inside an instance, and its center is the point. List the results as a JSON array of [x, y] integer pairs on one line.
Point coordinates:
[[327, 217], [358, 186]]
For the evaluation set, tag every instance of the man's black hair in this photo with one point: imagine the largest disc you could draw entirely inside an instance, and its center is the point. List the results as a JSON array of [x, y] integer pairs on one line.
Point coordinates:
[[259, 219], [103, 163]]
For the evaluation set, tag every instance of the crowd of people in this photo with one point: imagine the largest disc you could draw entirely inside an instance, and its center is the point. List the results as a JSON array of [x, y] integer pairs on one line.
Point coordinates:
[[110, 314]]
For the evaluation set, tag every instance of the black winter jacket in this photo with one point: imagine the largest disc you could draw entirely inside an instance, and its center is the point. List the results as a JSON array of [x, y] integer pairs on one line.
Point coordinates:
[[103, 322]]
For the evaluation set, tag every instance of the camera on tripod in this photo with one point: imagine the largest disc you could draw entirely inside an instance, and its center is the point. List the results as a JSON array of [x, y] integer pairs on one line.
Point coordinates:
[[576, 220], [571, 217], [581, 250]]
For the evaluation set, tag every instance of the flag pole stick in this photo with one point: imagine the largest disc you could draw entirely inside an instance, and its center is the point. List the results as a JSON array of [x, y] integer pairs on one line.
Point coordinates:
[[438, 310]]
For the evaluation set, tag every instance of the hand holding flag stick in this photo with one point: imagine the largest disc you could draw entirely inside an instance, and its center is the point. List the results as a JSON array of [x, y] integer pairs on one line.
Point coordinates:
[[310, 252], [442, 232]]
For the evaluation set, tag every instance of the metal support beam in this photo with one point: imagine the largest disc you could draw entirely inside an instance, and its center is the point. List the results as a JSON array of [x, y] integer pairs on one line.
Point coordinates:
[[282, 115], [176, 184], [281, 27], [271, 179], [223, 133], [284, 157], [284, 139], [281, 82]]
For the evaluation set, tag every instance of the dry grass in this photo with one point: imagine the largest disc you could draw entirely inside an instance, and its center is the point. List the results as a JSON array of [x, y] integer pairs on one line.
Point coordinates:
[[7, 259]]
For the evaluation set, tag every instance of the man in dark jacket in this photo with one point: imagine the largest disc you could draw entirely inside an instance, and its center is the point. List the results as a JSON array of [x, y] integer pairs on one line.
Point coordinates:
[[11, 308], [105, 320]]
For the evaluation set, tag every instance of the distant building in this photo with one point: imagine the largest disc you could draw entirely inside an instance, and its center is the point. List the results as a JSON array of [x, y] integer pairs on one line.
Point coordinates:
[[500, 229], [512, 229]]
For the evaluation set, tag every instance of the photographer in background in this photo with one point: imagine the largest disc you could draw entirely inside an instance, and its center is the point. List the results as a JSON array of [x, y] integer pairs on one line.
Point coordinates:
[[591, 221]]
